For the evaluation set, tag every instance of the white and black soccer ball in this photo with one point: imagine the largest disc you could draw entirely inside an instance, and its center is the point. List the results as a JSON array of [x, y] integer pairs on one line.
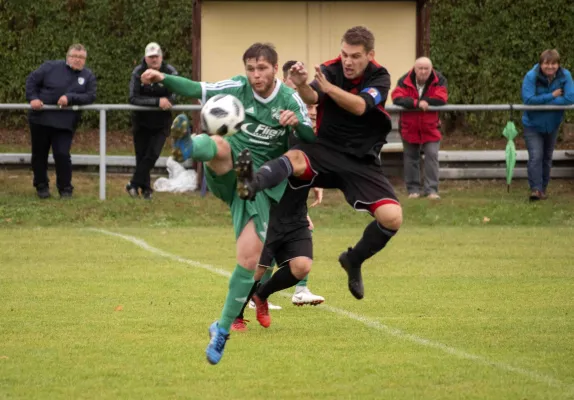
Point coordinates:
[[222, 114]]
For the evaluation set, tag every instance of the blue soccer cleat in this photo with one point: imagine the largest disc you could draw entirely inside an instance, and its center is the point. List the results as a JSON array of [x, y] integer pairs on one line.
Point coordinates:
[[219, 337], [181, 136]]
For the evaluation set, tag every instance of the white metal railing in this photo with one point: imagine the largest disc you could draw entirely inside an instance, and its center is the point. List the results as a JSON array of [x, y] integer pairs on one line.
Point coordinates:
[[103, 108]]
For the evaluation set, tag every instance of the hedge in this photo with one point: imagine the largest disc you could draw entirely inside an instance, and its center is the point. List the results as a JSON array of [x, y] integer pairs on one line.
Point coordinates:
[[483, 47], [115, 33]]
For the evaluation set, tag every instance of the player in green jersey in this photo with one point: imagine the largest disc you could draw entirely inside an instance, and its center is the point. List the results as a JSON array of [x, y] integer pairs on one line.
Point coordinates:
[[272, 110]]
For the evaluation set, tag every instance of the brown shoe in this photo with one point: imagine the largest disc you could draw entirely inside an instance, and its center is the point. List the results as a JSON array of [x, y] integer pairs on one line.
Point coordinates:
[[543, 196], [535, 195]]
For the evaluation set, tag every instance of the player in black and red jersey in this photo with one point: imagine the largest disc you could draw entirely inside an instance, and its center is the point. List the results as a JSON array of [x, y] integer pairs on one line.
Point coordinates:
[[351, 92]]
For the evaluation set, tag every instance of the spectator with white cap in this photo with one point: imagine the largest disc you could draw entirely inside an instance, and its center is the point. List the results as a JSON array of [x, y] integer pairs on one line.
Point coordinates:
[[150, 128]]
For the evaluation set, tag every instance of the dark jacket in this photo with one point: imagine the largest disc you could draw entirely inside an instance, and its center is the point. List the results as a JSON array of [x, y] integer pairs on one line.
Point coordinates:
[[423, 126], [149, 95], [53, 80], [536, 90]]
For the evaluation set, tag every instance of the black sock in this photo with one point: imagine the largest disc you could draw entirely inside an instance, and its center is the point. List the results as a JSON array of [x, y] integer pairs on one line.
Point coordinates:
[[282, 279], [249, 296], [272, 173], [375, 237]]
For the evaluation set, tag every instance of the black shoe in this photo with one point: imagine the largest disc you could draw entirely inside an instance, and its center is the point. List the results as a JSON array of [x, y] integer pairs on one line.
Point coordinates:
[[43, 192], [132, 191], [244, 171], [65, 194], [535, 195], [354, 274], [147, 194]]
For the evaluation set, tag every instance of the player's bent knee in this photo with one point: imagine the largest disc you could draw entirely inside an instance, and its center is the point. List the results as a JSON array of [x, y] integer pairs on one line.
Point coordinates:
[[222, 162], [248, 262], [248, 259], [300, 266], [223, 147], [248, 247], [390, 216], [298, 161]]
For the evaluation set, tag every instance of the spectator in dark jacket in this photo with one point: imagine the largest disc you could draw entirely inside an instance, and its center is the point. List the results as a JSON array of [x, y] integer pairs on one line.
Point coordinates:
[[418, 89], [150, 128], [64, 83], [547, 83]]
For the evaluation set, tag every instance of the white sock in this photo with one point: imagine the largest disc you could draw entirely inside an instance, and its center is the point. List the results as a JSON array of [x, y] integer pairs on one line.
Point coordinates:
[[299, 289]]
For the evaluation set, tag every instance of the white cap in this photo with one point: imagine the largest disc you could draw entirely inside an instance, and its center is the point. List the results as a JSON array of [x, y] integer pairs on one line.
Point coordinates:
[[152, 49]]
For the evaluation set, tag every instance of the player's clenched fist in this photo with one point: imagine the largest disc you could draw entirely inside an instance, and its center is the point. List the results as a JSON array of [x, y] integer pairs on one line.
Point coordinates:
[[288, 118]]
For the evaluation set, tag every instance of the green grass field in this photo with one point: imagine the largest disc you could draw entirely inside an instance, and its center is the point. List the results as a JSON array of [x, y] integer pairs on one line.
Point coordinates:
[[108, 300]]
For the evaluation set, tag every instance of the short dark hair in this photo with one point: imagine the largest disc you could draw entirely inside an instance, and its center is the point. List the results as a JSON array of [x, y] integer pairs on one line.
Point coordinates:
[[287, 66], [359, 35], [550, 56], [265, 51]]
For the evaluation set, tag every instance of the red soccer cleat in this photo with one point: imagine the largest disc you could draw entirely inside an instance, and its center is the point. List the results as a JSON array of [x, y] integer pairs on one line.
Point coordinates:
[[239, 325], [262, 311]]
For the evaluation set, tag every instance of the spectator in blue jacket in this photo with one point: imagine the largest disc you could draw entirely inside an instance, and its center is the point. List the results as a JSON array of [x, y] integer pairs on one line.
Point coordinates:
[[545, 84], [64, 83]]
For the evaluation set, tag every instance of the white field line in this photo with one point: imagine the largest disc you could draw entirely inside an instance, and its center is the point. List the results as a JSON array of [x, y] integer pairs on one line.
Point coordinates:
[[371, 323]]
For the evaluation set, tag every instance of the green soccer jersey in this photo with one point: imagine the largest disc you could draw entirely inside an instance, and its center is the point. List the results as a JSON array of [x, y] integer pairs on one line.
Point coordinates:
[[261, 132]]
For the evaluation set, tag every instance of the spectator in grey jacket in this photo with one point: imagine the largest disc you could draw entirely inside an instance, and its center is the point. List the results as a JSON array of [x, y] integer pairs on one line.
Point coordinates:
[[150, 128], [64, 83]]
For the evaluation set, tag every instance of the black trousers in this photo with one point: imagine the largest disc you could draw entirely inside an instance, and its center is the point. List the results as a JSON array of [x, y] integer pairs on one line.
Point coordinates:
[[148, 143], [60, 140]]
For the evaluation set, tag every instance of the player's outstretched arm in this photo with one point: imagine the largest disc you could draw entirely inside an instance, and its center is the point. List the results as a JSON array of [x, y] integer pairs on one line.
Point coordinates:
[[175, 84]]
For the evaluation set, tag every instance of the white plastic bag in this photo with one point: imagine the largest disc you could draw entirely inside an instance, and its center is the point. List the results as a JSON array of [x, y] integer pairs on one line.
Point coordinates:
[[179, 179]]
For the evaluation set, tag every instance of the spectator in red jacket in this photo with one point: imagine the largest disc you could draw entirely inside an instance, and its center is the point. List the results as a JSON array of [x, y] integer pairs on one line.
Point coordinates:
[[418, 89]]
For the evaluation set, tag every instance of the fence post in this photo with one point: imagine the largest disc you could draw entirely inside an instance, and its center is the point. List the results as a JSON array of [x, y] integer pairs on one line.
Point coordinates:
[[102, 154]]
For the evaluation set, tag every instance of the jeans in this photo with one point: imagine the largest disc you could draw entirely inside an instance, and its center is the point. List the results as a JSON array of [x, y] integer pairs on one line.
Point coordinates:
[[60, 140], [411, 164], [540, 148]]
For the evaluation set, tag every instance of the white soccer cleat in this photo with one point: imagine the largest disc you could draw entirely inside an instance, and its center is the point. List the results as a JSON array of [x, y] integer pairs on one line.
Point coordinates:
[[271, 306], [304, 296]]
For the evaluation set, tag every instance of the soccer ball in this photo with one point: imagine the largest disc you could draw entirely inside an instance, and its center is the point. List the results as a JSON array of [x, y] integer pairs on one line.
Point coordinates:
[[223, 114]]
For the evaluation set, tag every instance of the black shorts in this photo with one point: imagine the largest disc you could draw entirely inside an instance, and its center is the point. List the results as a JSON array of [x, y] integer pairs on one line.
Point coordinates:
[[283, 247], [361, 180]]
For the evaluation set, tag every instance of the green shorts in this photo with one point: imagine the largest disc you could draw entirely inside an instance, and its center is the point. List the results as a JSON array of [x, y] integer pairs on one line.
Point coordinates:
[[224, 187]]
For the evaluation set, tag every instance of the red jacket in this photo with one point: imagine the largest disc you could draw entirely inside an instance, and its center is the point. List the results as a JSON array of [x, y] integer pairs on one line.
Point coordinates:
[[420, 127]]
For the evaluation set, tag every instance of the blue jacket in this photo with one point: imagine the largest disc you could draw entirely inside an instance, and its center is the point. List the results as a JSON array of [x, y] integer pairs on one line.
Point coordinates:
[[536, 90], [51, 81]]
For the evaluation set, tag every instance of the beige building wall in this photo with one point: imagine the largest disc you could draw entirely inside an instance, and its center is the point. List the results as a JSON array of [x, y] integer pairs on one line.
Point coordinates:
[[308, 31]]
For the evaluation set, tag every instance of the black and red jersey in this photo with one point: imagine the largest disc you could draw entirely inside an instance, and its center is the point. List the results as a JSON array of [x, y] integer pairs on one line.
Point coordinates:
[[358, 135]]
